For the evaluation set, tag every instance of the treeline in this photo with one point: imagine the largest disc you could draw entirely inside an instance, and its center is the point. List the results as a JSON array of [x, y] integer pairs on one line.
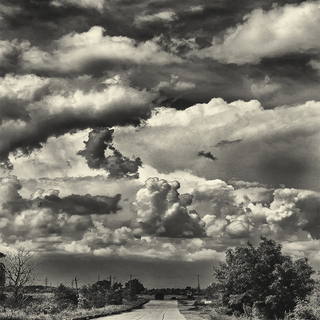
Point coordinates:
[[174, 291]]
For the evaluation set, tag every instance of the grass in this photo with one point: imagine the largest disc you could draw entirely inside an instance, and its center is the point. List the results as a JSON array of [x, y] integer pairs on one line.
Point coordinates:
[[70, 313]]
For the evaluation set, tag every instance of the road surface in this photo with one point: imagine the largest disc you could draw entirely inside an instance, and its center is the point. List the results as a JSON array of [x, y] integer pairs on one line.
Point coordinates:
[[153, 310]]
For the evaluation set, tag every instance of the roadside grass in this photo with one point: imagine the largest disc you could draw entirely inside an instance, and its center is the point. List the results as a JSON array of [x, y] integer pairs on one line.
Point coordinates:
[[71, 313]]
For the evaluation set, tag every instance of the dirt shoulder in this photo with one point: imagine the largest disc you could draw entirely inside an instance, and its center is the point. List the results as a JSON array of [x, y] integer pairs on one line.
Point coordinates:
[[191, 312]]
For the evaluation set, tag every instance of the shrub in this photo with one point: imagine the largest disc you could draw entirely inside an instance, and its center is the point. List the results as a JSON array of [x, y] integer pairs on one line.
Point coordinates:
[[65, 296]]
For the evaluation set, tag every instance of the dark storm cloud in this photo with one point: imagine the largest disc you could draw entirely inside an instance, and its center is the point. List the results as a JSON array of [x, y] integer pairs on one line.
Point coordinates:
[[82, 205], [224, 143], [116, 164], [72, 205], [11, 109], [207, 155]]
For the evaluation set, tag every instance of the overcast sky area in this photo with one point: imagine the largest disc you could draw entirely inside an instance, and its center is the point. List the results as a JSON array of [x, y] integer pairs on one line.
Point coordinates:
[[148, 137]]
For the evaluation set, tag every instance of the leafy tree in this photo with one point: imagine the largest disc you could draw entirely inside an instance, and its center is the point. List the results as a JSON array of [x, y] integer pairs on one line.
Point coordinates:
[[133, 288], [263, 278], [20, 269]]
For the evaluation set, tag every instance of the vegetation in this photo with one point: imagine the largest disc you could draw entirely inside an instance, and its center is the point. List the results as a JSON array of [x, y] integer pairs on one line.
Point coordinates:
[[133, 288], [262, 281], [254, 283], [20, 300], [20, 270], [100, 294]]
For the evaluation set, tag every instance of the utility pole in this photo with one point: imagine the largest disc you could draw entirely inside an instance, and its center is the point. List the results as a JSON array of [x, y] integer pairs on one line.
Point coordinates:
[[46, 282], [198, 285], [110, 279], [75, 279], [98, 276]]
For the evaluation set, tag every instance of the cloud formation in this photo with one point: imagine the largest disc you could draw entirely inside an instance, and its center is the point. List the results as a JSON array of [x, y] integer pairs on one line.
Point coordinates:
[[269, 34], [160, 16], [83, 53], [275, 147], [116, 164], [54, 108], [199, 225], [162, 211]]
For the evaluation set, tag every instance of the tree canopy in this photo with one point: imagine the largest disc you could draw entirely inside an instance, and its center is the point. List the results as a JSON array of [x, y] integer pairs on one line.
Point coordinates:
[[263, 278], [134, 287]]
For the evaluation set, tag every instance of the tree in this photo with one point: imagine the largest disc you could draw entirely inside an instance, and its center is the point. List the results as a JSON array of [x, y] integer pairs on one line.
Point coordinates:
[[2, 272], [2, 278], [263, 278], [20, 269], [134, 287]]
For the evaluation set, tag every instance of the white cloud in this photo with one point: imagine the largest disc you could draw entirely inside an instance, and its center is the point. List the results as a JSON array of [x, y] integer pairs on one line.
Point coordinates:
[[96, 4], [282, 30], [165, 16], [161, 211], [175, 85], [172, 139], [81, 52]]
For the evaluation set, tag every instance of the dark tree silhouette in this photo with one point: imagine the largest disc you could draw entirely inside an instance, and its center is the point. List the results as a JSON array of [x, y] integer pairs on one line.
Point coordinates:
[[20, 270], [263, 278], [2, 271]]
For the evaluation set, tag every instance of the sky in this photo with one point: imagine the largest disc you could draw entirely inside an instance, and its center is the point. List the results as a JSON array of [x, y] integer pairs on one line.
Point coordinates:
[[147, 137]]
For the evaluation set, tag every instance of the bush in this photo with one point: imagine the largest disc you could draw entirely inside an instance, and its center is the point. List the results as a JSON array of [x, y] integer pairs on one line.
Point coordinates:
[[66, 296]]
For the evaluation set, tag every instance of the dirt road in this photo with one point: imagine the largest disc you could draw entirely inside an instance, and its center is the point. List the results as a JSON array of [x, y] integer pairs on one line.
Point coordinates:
[[154, 310]]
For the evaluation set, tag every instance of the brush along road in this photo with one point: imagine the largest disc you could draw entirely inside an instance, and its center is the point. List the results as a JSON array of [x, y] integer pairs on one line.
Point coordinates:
[[153, 310]]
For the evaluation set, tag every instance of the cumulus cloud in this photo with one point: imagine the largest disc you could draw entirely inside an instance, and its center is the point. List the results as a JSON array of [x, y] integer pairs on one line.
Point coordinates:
[[116, 164], [166, 224], [62, 108], [288, 213], [160, 211], [89, 52], [293, 208], [278, 146], [279, 31]]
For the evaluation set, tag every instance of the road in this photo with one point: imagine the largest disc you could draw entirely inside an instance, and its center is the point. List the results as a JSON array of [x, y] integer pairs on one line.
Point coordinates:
[[153, 310]]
